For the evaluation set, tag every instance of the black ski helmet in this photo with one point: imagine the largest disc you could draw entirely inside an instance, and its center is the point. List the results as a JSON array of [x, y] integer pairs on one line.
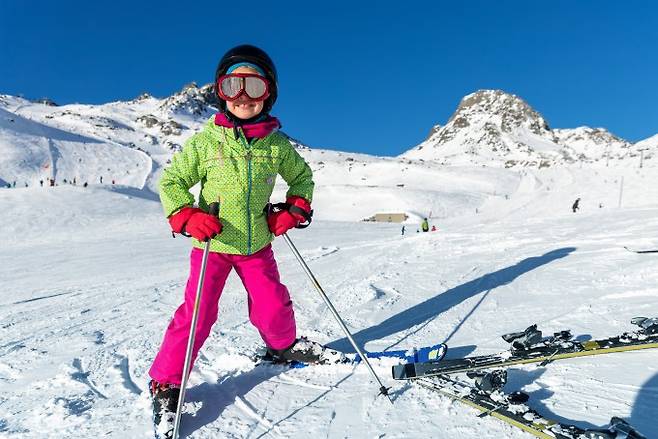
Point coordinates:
[[254, 55]]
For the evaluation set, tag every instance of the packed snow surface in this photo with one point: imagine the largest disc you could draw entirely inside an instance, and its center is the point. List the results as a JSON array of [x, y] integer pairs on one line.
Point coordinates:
[[91, 277]]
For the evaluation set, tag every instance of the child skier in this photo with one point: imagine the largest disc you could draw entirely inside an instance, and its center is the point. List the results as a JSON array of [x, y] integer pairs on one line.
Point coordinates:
[[236, 157], [425, 225]]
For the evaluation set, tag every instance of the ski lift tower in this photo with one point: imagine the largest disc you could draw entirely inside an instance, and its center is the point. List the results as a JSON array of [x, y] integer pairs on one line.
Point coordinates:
[[642, 156]]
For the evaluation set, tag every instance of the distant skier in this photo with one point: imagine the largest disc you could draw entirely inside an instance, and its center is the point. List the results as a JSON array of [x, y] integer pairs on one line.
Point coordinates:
[[101, 179], [246, 87], [41, 183], [402, 230], [425, 225], [433, 228], [576, 205], [85, 185]]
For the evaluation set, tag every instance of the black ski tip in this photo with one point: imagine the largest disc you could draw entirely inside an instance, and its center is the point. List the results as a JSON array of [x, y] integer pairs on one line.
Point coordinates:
[[404, 371]]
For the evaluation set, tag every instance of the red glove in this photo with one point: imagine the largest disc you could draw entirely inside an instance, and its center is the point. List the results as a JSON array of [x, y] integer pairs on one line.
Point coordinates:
[[196, 222], [282, 221]]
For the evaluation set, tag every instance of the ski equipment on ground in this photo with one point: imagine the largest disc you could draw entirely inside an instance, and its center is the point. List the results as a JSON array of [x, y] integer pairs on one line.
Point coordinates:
[[425, 354], [557, 347], [512, 408]]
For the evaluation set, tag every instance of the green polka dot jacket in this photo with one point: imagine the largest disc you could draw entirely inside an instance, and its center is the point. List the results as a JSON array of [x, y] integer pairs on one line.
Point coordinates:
[[241, 176]]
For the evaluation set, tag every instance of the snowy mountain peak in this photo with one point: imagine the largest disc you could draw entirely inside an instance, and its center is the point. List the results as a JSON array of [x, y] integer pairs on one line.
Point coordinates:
[[494, 128], [649, 143], [490, 126], [142, 97], [592, 143], [192, 100], [46, 101], [505, 110]]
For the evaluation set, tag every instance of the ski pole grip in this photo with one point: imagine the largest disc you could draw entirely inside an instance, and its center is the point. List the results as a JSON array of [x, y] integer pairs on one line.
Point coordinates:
[[213, 209]]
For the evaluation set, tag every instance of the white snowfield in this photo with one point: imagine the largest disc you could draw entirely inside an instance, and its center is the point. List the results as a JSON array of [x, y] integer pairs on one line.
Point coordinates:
[[91, 277]]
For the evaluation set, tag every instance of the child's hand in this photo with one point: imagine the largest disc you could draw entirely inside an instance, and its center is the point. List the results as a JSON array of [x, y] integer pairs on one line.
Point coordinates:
[[196, 222], [282, 221]]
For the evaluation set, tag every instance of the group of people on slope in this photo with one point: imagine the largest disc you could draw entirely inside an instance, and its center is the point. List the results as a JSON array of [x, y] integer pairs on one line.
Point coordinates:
[[424, 226]]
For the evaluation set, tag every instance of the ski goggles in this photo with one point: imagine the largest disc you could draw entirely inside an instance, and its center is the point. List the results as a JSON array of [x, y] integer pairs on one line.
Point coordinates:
[[230, 87]]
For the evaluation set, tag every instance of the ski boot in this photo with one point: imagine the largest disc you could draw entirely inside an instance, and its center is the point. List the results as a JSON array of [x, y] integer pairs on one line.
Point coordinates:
[[489, 382], [649, 325], [523, 340], [618, 429], [165, 403], [561, 336], [304, 350]]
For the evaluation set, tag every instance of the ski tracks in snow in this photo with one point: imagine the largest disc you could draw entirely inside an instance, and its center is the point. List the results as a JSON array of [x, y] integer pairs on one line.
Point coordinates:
[[251, 412]]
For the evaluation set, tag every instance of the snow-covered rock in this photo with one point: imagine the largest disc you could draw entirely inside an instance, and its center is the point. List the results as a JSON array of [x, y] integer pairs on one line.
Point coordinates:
[[494, 128], [593, 144]]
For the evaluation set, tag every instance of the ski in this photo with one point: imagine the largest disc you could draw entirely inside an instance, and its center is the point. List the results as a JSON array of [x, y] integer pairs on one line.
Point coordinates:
[[426, 354], [529, 347], [488, 398], [164, 409], [641, 251]]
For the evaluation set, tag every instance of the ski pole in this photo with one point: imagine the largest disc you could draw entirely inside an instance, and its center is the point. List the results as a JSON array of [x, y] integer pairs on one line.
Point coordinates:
[[383, 390], [212, 210]]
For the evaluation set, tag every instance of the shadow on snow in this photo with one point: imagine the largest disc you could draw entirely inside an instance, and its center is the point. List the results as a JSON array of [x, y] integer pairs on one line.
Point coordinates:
[[645, 410], [642, 418], [216, 397], [424, 312]]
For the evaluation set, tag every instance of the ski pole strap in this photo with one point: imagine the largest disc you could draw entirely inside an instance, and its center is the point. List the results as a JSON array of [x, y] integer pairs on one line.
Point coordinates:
[[213, 209], [270, 208]]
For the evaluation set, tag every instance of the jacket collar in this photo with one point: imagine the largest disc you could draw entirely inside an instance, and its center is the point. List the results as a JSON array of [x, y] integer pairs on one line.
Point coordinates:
[[252, 130]]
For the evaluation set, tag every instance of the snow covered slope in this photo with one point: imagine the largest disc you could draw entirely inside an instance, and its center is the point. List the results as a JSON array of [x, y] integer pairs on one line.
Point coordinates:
[[88, 292], [91, 276], [139, 137], [33, 151], [127, 142], [130, 143]]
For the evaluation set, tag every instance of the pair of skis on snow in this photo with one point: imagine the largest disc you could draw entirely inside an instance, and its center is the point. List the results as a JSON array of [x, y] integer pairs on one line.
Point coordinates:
[[164, 428], [486, 393], [427, 367]]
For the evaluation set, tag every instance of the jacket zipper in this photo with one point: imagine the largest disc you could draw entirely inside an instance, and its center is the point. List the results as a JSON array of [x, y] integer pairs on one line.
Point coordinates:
[[248, 147]]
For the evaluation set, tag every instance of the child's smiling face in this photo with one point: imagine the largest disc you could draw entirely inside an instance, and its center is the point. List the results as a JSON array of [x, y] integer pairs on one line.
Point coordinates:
[[244, 107]]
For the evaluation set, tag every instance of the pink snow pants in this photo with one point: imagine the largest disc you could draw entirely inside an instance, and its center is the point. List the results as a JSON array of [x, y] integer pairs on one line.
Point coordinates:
[[270, 308]]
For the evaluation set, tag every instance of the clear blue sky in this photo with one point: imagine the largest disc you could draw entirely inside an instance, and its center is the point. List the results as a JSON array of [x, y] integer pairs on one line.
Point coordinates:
[[371, 79]]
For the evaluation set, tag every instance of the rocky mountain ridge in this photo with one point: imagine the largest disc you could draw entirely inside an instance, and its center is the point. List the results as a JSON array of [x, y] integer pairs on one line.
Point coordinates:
[[491, 127]]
